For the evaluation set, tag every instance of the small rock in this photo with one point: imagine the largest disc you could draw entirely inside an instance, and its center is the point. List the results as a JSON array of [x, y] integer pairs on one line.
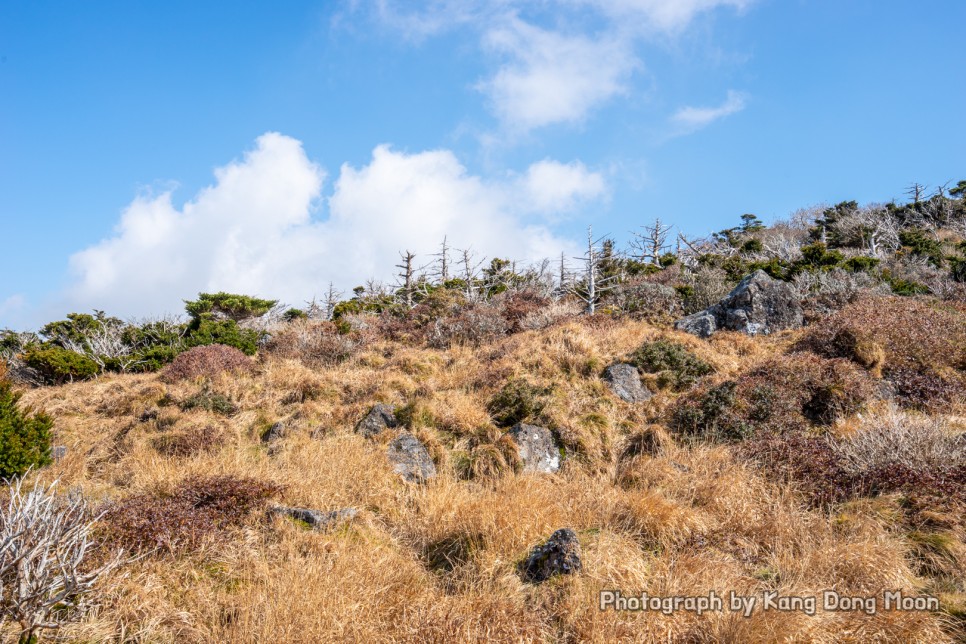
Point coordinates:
[[411, 459], [379, 418], [559, 555], [701, 324], [58, 452], [625, 382], [274, 433], [538, 450], [318, 520]]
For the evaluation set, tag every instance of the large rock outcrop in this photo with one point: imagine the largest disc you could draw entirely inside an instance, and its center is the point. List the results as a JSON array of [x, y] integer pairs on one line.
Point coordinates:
[[759, 305], [538, 450]]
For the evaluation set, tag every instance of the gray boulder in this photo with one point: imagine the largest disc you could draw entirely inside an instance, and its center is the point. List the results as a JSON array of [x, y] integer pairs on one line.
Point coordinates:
[[410, 458], [559, 555], [701, 324], [58, 452], [274, 433], [538, 450], [625, 381], [759, 305], [379, 418], [319, 520]]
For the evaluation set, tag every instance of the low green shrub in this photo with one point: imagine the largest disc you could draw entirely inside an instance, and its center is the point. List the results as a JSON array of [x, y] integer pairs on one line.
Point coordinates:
[[58, 365], [677, 368], [24, 437], [518, 402]]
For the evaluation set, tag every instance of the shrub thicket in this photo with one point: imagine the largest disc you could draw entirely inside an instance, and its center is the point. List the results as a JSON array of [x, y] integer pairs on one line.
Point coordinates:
[[197, 509], [917, 345], [24, 437], [206, 362], [783, 395], [676, 367], [518, 402]]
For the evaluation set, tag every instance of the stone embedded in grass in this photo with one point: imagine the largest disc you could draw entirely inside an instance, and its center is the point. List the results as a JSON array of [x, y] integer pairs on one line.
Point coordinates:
[[559, 555], [274, 433], [379, 418], [538, 450], [625, 381], [701, 324], [58, 452], [410, 458], [318, 520]]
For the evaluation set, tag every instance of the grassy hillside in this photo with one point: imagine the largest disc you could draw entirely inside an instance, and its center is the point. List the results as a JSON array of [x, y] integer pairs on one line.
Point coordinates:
[[657, 507]]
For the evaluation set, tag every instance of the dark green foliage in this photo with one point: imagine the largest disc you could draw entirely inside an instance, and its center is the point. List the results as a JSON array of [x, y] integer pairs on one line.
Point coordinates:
[[784, 395], [904, 287], [708, 414], [750, 223], [958, 269], [752, 246], [518, 402], [817, 256], [860, 263], [77, 328], [58, 365], [24, 437], [825, 225], [295, 314], [918, 243], [207, 330], [228, 305], [677, 368]]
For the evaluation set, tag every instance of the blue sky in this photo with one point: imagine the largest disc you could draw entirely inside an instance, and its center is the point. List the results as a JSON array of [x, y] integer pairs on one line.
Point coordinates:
[[149, 151]]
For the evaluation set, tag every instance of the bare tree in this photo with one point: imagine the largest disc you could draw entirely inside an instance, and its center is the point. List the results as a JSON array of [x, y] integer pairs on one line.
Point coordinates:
[[442, 263], [45, 578], [406, 277], [652, 243], [470, 268], [593, 284]]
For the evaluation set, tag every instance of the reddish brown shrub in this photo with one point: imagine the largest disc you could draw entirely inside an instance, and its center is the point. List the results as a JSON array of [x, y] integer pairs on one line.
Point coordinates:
[[520, 304], [313, 342], [783, 395], [919, 345], [816, 468], [475, 325], [199, 508], [206, 361]]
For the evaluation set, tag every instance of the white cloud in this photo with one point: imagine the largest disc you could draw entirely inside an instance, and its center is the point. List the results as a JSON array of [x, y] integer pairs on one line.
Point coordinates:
[[554, 188], [253, 231], [668, 16], [546, 76], [553, 78], [690, 119]]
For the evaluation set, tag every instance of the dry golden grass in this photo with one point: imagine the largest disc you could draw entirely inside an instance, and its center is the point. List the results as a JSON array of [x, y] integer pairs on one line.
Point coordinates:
[[437, 563]]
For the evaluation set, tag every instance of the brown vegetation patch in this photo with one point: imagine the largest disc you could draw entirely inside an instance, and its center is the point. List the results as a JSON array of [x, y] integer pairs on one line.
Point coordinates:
[[206, 362]]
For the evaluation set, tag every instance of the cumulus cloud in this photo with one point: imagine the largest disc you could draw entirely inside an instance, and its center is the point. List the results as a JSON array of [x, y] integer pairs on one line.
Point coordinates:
[[546, 76], [260, 229], [553, 78], [691, 119]]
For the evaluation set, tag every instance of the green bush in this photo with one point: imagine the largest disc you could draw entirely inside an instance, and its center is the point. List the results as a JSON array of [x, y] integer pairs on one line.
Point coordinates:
[[58, 365], [208, 330], [677, 368], [229, 305], [24, 438], [518, 402]]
